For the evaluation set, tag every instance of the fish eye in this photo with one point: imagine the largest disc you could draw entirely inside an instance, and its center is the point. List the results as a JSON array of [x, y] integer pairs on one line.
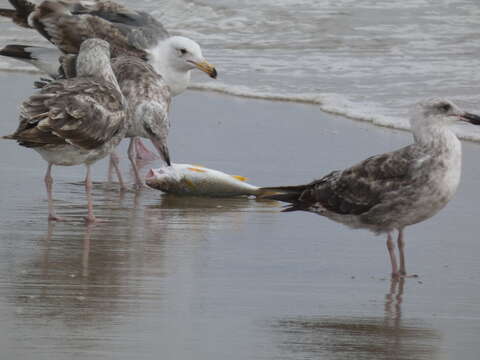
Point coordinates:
[[445, 107]]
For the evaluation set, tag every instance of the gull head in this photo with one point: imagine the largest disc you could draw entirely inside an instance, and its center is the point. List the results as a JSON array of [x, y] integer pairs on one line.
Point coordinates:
[[185, 54], [174, 58], [93, 58], [439, 112]]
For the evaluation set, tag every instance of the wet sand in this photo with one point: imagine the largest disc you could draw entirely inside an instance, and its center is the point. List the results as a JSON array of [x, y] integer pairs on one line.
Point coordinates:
[[192, 278]]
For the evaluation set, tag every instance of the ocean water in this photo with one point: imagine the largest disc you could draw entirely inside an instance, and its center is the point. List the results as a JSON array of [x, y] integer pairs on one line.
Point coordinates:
[[368, 60]]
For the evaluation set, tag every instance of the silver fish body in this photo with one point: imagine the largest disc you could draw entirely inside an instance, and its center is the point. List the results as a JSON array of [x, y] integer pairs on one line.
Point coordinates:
[[194, 180]]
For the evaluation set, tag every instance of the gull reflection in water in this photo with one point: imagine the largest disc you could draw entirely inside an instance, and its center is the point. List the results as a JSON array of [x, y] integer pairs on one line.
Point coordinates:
[[387, 337]]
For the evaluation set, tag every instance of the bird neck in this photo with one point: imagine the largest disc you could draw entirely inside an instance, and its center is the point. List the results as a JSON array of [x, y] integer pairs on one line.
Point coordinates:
[[177, 81], [438, 138]]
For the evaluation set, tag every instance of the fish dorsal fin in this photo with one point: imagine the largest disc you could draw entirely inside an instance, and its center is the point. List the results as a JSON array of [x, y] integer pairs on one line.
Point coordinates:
[[238, 177], [196, 169]]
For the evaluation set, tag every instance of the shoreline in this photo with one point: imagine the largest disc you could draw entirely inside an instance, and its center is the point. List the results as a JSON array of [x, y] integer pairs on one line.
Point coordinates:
[[311, 99]]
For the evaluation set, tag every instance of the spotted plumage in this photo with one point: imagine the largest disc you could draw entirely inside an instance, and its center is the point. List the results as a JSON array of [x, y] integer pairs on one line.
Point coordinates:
[[76, 121], [390, 191], [131, 34]]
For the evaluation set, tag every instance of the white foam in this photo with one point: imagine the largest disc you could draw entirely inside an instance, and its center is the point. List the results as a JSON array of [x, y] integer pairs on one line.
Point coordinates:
[[334, 104], [328, 102]]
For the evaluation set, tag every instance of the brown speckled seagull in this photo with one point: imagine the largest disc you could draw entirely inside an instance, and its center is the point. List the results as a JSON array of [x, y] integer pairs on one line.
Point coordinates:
[[76, 121], [66, 24], [391, 191], [131, 33]]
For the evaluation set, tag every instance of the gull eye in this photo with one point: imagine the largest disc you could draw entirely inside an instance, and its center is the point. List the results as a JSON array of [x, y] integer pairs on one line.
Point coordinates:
[[445, 107], [183, 51]]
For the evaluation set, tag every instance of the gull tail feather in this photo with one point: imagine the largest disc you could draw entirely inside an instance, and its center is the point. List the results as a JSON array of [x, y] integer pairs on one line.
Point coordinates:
[[17, 52], [288, 194], [43, 58], [8, 13], [20, 15], [8, 137]]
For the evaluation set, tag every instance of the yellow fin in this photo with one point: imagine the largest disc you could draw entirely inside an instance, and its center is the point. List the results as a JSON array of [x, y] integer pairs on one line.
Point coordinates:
[[196, 170], [238, 177], [189, 184]]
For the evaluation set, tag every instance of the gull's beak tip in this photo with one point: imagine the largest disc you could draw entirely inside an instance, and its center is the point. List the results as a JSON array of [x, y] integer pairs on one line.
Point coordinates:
[[207, 68], [214, 73], [471, 118]]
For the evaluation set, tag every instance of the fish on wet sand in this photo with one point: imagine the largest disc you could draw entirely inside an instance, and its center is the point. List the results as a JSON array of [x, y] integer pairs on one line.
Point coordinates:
[[186, 179]]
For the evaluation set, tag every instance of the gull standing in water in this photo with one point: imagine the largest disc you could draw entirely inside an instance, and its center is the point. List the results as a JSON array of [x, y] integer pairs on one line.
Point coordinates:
[[130, 33], [391, 191], [76, 121]]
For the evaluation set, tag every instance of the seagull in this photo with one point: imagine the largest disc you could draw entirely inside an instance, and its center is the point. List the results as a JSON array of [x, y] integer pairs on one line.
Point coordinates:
[[130, 33], [148, 98], [391, 191], [76, 121], [67, 23]]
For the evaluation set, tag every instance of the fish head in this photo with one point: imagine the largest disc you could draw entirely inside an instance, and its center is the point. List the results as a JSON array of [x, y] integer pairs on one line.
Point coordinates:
[[164, 179]]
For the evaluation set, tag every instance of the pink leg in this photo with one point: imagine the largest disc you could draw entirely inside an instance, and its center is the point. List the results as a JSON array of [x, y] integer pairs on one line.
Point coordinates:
[[90, 218], [131, 156], [114, 162], [52, 216], [401, 249], [142, 152], [393, 259], [111, 167]]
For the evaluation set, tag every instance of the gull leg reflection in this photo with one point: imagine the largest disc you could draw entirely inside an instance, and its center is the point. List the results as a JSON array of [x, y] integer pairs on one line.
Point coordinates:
[[373, 337], [46, 252], [394, 298], [86, 249]]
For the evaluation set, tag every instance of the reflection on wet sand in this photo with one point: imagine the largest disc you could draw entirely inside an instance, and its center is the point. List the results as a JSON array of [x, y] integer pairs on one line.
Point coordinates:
[[359, 337], [94, 278]]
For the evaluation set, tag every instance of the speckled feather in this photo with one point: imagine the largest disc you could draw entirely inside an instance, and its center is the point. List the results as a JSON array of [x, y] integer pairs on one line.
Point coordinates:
[[82, 112], [142, 30], [148, 98], [20, 14], [99, 19], [67, 31], [392, 190]]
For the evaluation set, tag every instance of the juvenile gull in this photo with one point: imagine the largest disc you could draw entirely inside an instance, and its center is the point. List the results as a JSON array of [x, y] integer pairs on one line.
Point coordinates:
[[130, 33], [391, 191], [148, 98], [75, 121]]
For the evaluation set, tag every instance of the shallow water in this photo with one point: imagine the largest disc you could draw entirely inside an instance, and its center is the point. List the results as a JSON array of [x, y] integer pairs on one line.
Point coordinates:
[[368, 59], [182, 278]]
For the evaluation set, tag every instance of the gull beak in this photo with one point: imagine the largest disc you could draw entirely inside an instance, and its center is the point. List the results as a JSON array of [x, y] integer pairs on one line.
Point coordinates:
[[162, 149], [207, 68], [471, 118]]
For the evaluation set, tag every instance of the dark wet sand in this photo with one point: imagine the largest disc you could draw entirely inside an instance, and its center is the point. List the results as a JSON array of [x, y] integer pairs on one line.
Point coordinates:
[[192, 278]]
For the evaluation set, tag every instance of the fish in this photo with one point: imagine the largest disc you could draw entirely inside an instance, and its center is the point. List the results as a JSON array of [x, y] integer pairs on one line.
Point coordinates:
[[195, 180]]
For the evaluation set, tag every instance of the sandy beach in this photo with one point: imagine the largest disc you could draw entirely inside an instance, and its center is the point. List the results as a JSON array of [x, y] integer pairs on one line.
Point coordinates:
[[194, 278]]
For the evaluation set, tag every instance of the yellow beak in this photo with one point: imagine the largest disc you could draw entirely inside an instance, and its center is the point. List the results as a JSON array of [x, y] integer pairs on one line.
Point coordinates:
[[207, 68]]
